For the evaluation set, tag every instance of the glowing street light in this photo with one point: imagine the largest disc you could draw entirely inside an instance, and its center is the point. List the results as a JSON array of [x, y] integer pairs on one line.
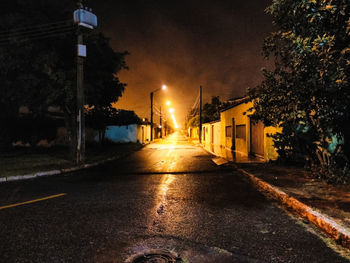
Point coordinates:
[[164, 87], [171, 110], [168, 103]]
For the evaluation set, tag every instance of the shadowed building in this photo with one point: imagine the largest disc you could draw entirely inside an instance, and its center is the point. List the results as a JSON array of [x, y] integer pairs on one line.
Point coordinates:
[[238, 137]]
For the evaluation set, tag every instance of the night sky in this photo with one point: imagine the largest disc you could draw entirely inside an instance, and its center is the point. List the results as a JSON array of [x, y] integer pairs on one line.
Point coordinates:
[[185, 44]]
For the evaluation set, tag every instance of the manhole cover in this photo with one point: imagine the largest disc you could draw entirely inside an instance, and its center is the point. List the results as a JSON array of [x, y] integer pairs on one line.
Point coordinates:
[[156, 256]]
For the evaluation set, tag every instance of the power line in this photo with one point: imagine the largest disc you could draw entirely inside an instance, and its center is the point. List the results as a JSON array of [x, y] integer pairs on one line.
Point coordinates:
[[37, 36], [33, 34], [36, 27], [154, 107], [163, 118], [36, 32], [195, 105]]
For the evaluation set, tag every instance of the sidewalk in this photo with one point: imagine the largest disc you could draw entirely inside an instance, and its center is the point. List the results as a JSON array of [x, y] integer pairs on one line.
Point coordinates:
[[326, 206], [23, 164]]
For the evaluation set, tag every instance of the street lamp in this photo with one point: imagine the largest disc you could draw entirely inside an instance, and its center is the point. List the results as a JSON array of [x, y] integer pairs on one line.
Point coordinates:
[[164, 87], [171, 110]]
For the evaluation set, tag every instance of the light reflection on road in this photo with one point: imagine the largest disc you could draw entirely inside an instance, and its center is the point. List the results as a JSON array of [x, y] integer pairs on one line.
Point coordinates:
[[163, 189], [161, 201]]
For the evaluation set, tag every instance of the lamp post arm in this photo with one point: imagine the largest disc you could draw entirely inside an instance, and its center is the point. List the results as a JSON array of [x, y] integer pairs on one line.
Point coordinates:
[[156, 90]]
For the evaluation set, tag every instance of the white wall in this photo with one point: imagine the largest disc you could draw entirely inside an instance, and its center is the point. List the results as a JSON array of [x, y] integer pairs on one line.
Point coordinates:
[[144, 133], [212, 131]]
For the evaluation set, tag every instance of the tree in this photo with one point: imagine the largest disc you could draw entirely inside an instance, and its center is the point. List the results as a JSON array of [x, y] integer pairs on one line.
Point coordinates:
[[211, 112], [101, 117], [307, 93], [39, 73], [22, 65], [102, 86]]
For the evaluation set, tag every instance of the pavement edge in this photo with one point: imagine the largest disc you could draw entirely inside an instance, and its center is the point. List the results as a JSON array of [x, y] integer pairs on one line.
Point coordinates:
[[325, 223]]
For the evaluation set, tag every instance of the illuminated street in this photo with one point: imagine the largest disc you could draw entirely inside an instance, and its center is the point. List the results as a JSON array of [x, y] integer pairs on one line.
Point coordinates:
[[170, 195]]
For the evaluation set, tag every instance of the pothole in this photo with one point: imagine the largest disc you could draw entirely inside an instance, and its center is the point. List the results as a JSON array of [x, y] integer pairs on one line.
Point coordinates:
[[156, 256]]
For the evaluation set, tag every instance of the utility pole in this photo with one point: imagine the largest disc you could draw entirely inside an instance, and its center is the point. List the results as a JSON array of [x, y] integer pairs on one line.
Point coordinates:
[[165, 127], [160, 120], [200, 114], [151, 116], [163, 88], [83, 18], [80, 102]]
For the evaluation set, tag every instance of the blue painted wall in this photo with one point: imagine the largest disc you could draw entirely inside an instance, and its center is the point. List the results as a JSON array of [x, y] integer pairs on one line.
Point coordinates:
[[121, 134]]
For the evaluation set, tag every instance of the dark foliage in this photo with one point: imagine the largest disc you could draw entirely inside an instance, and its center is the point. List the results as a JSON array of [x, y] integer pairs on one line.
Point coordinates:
[[210, 112], [38, 70], [99, 118], [309, 85]]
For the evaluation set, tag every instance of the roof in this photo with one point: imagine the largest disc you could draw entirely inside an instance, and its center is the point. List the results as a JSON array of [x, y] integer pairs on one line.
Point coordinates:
[[211, 122], [236, 102]]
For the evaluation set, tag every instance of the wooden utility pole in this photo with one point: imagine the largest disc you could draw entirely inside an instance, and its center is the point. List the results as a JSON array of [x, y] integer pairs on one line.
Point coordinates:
[[151, 116], [80, 103], [160, 121], [200, 114], [83, 18]]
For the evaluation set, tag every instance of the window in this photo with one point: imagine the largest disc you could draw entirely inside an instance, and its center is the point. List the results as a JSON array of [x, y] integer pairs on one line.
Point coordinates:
[[241, 131], [228, 131], [204, 133]]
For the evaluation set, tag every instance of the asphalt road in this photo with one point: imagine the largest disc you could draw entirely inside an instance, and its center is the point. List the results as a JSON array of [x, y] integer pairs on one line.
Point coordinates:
[[170, 195]]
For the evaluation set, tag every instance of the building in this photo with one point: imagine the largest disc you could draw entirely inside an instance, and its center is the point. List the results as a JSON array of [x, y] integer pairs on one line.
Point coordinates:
[[193, 133], [140, 133], [237, 137], [211, 136]]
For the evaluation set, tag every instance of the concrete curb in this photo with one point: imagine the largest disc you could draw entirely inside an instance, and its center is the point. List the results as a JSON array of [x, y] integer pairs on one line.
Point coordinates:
[[325, 223], [60, 171]]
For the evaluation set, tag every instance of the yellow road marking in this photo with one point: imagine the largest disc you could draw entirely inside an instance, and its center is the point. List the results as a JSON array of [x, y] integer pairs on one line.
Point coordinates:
[[32, 201]]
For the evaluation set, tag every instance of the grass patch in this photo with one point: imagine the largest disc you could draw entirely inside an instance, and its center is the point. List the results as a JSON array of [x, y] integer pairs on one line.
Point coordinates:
[[21, 161]]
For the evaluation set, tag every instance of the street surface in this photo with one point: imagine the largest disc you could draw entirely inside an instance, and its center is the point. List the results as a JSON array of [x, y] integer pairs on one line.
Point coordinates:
[[170, 195]]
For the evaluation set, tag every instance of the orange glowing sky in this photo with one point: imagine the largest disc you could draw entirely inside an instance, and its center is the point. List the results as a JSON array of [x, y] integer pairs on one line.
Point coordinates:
[[185, 44]]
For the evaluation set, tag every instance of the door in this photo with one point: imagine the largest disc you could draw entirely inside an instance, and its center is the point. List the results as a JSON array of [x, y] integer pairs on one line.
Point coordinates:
[[256, 138]]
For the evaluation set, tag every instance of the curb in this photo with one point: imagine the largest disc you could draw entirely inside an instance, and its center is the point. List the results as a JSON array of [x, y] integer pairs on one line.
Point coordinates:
[[325, 223], [58, 171]]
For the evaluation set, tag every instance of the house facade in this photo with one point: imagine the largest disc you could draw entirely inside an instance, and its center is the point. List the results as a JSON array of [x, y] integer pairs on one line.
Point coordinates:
[[193, 132], [211, 137], [238, 137]]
